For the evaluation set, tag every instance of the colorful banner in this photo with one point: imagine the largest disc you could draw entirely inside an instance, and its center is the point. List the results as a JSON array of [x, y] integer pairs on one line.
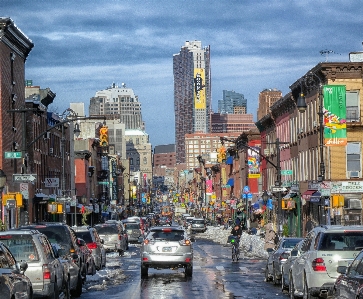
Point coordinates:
[[254, 163], [199, 89], [209, 188], [334, 109]]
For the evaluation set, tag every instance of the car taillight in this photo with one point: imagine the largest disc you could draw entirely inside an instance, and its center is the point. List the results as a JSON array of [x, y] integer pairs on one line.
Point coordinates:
[[46, 272], [318, 264], [146, 241], [119, 237], [92, 245], [185, 242]]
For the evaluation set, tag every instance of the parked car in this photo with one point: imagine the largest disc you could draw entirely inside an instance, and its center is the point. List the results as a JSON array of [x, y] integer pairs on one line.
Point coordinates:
[[63, 235], [133, 230], [188, 222], [94, 243], [45, 271], [278, 257], [350, 283], [198, 225], [114, 237], [167, 248], [21, 287], [285, 270], [314, 272], [89, 261]]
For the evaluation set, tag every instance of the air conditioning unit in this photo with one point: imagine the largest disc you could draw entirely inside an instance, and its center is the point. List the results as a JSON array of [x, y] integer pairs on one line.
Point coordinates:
[[300, 130], [355, 203], [46, 135], [354, 174], [315, 124], [51, 150]]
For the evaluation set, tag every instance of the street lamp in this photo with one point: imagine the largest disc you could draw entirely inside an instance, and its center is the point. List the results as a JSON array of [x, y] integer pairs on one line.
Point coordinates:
[[2, 185], [313, 81]]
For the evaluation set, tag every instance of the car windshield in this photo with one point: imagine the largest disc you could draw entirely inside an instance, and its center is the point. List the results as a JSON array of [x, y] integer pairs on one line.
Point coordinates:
[[131, 225], [106, 230], [85, 235], [341, 241], [57, 234], [290, 243], [169, 235], [22, 247], [199, 221]]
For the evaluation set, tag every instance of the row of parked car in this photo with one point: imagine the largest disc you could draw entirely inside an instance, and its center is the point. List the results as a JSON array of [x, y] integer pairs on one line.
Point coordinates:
[[327, 263], [53, 258]]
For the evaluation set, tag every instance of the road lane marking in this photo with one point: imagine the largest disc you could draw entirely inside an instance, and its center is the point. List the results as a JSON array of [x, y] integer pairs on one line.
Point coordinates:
[[220, 268]]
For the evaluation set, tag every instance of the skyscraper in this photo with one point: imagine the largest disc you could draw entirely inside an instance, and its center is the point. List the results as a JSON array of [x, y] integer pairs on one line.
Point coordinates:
[[192, 93], [232, 102]]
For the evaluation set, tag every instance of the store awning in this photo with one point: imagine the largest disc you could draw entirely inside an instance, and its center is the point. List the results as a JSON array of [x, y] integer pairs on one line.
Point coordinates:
[[229, 160], [230, 182], [307, 194]]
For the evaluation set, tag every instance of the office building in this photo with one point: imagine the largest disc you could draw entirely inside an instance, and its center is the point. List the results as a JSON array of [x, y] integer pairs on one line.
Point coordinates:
[[266, 99], [232, 102]]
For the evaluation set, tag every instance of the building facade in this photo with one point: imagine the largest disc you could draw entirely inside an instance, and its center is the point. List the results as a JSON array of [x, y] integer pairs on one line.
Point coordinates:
[[266, 99], [192, 93], [232, 102], [231, 123]]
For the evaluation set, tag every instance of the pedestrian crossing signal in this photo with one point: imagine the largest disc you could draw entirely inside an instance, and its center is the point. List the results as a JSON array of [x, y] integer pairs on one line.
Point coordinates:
[[104, 136]]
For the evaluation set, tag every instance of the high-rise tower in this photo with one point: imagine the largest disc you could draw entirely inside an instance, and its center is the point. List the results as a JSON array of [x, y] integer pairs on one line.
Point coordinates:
[[192, 93]]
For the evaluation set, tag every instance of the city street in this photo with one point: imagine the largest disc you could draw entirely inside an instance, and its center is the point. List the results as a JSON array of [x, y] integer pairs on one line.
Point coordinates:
[[214, 276]]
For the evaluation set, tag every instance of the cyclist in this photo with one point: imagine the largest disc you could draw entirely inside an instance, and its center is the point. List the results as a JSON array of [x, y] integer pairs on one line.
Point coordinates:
[[236, 231]]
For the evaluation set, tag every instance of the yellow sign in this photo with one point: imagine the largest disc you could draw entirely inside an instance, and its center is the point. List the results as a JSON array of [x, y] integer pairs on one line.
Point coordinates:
[[16, 195], [199, 89]]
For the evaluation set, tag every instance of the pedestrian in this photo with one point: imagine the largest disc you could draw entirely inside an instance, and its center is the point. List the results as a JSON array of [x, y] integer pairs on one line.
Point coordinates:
[[270, 236], [309, 225]]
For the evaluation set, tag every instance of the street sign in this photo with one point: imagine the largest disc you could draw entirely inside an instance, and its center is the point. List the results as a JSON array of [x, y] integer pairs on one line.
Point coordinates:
[[51, 182], [278, 189], [13, 155], [103, 183], [23, 178], [286, 172]]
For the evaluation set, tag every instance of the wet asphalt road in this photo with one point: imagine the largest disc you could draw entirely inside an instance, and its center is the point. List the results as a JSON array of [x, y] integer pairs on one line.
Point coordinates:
[[215, 276]]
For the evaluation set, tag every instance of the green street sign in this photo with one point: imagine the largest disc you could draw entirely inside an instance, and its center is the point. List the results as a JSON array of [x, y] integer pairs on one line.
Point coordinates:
[[103, 183], [13, 155], [286, 172]]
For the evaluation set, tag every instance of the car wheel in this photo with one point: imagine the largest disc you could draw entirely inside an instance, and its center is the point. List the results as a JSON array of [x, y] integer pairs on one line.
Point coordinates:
[[267, 276], [55, 294], [120, 252], [306, 294], [291, 288], [127, 245], [144, 271], [283, 286], [189, 271], [275, 280], [67, 289], [78, 291]]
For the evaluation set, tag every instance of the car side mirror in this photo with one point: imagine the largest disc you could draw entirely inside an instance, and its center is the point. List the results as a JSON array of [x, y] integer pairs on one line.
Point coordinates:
[[294, 252], [80, 242], [75, 256], [342, 269], [192, 239], [23, 266], [269, 250], [102, 241]]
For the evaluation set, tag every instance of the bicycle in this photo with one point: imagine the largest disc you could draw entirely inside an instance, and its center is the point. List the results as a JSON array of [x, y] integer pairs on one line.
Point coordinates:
[[235, 249]]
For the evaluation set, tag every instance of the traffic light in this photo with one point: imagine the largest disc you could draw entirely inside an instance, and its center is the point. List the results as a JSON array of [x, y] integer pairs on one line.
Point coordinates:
[[221, 154], [104, 136]]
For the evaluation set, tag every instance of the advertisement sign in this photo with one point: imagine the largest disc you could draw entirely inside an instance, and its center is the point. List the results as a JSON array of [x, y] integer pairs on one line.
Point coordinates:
[[209, 188], [199, 88], [335, 124], [254, 163]]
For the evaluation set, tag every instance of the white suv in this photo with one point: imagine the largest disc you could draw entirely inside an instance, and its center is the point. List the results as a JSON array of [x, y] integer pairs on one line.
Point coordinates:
[[314, 271]]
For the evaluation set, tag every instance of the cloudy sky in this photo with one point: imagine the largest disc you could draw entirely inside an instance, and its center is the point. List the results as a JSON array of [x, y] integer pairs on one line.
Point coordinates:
[[81, 47]]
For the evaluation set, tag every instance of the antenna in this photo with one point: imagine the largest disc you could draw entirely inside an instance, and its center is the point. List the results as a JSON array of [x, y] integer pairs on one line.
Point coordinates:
[[327, 52]]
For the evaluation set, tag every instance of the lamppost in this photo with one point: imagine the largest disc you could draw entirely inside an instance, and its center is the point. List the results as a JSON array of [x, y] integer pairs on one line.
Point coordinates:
[[2, 185], [313, 81]]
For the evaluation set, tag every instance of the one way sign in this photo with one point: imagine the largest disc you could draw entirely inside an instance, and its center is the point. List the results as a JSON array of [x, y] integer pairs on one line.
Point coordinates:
[[24, 178]]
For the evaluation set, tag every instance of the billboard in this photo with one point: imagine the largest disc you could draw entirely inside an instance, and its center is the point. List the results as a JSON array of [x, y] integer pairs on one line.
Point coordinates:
[[199, 89], [334, 110], [254, 163]]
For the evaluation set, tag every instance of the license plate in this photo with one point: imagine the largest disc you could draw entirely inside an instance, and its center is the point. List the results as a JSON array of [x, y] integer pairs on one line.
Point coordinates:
[[166, 249]]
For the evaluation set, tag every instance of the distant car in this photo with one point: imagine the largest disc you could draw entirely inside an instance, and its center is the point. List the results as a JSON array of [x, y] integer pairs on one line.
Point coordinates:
[[198, 225], [278, 257], [163, 220], [94, 243], [314, 271], [188, 221], [11, 288], [113, 235], [133, 230], [350, 283], [167, 248], [45, 271], [286, 267]]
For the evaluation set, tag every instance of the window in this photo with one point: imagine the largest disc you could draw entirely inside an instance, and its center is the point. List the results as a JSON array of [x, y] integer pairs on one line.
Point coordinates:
[[352, 103], [353, 157]]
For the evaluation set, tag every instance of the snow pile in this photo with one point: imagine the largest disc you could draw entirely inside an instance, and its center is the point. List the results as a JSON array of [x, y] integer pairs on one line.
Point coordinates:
[[251, 245]]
